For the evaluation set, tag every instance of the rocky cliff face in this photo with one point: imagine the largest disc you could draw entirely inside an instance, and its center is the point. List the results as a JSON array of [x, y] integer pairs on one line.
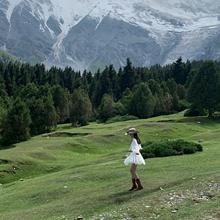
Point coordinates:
[[92, 33]]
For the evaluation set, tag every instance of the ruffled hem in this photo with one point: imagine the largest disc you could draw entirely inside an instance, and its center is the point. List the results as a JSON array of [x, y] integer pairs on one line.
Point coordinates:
[[134, 159]]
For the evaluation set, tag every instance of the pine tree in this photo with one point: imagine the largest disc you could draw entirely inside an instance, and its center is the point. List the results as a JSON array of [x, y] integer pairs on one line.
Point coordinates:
[[43, 115], [143, 102], [114, 82], [3, 94], [126, 100], [175, 102], [171, 84], [168, 103], [181, 92], [29, 93], [106, 83], [17, 122], [50, 115], [107, 108], [61, 102], [159, 108], [179, 72], [204, 90], [80, 108], [37, 115], [3, 112], [127, 77]]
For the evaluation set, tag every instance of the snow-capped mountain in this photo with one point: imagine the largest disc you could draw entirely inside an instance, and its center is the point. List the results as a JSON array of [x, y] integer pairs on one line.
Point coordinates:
[[94, 33]]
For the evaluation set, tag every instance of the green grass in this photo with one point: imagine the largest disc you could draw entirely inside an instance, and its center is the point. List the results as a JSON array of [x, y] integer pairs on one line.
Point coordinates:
[[80, 172]]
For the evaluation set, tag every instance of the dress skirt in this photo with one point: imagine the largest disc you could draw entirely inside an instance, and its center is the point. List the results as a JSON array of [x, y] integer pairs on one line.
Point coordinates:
[[133, 158]]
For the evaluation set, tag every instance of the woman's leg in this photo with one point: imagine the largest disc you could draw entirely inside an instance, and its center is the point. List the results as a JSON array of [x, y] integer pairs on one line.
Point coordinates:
[[133, 170], [138, 181], [135, 179], [133, 175]]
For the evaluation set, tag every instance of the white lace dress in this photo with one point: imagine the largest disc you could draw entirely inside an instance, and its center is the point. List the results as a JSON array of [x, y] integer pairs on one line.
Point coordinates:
[[135, 156]]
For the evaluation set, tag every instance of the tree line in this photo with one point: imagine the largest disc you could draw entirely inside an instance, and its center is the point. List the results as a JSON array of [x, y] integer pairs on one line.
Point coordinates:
[[33, 99]]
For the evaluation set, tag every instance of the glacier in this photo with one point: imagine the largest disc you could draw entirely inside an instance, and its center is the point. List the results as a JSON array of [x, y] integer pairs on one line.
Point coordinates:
[[88, 34]]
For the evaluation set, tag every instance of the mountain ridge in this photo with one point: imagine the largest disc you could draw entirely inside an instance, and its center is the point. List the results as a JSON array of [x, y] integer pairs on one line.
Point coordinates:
[[86, 34]]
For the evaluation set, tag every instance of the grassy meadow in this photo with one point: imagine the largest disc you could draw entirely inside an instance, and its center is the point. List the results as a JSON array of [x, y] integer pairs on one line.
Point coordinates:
[[79, 172]]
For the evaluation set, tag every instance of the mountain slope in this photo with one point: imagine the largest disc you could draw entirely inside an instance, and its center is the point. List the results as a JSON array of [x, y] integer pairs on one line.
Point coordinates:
[[91, 33], [5, 57]]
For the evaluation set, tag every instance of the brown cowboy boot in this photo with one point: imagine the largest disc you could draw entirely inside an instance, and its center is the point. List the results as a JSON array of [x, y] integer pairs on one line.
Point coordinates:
[[134, 185], [140, 187]]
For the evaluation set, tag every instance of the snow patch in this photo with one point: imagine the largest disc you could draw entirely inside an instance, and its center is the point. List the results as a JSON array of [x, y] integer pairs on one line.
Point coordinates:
[[159, 15], [12, 5], [41, 28], [57, 47], [71, 11]]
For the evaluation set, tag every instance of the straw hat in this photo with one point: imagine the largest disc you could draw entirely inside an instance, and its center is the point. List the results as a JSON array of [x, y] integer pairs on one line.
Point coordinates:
[[132, 131]]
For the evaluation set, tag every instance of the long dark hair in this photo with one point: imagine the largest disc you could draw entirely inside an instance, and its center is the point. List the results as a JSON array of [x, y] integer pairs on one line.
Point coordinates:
[[137, 138]]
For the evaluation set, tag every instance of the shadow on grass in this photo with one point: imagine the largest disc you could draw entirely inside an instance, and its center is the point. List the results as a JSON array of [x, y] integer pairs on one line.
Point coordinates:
[[125, 196], [3, 161], [2, 147]]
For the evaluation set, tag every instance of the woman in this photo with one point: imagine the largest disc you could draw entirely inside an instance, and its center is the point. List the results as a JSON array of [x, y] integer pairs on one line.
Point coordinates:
[[135, 158]]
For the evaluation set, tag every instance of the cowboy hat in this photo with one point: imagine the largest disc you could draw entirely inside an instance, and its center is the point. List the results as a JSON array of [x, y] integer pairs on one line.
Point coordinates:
[[132, 131]]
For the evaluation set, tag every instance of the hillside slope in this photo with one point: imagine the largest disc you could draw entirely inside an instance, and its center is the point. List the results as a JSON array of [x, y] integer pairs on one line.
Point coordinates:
[[80, 172]]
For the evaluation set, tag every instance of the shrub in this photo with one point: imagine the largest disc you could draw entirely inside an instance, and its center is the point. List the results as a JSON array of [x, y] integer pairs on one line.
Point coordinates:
[[189, 149], [195, 112], [216, 115], [184, 104], [199, 147], [169, 148]]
